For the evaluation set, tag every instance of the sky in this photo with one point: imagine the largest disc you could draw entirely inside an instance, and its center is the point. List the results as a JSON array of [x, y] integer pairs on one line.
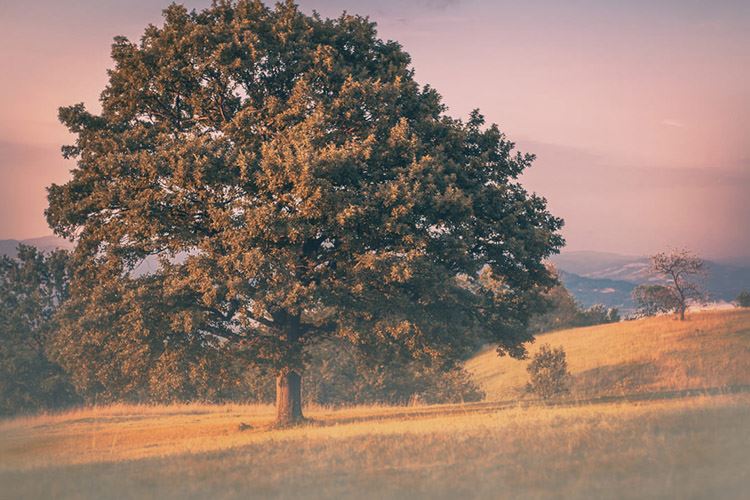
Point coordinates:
[[638, 111]]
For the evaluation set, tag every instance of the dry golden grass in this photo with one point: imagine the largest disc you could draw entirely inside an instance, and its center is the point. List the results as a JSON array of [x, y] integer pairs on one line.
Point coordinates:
[[690, 447], [679, 447], [709, 349]]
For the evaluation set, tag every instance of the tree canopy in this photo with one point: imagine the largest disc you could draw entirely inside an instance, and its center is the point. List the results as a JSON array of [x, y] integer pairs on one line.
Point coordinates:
[[297, 183]]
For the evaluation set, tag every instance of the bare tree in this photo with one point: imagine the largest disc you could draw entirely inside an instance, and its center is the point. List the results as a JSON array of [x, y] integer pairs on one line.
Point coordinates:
[[682, 269]]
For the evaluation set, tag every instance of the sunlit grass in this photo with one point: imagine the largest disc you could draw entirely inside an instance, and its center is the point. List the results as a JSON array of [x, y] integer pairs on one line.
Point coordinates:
[[488, 450], [709, 349]]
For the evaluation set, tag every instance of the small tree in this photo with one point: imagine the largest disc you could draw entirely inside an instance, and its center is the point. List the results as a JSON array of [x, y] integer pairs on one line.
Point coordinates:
[[654, 299], [599, 314], [680, 268], [549, 373], [743, 299]]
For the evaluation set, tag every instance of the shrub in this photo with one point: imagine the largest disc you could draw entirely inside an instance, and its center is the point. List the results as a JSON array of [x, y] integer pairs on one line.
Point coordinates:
[[651, 300], [548, 371], [743, 299], [598, 314]]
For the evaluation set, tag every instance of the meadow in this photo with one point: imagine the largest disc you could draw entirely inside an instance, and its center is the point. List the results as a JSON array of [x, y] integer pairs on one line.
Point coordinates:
[[709, 350], [659, 408]]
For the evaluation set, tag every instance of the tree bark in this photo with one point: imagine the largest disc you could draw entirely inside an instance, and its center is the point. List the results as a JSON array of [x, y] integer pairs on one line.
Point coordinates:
[[288, 398]]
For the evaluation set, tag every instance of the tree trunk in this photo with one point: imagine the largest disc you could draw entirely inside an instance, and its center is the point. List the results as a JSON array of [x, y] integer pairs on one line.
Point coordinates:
[[289, 380], [288, 398], [682, 313]]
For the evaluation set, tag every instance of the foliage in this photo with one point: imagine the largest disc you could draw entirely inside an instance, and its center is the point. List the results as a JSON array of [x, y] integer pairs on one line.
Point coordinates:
[[167, 361], [149, 349], [680, 268], [743, 299], [338, 374], [548, 372], [144, 343], [32, 287], [654, 299], [310, 188], [599, 314]]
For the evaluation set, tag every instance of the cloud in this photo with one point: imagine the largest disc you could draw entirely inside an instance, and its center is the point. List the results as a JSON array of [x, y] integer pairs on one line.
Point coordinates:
[[669, 122], [439, 4]]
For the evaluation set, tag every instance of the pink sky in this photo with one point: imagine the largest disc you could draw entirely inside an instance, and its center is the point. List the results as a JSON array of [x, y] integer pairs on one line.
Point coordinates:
[[638, 113]]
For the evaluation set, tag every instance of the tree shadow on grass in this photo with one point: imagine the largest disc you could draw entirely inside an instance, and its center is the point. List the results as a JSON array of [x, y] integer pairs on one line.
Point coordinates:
[[494, 406], [620, 379]]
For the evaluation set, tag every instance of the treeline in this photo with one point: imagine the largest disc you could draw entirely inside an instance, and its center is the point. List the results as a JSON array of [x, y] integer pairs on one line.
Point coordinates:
[[137, 352], [143, 345], [559, 310]]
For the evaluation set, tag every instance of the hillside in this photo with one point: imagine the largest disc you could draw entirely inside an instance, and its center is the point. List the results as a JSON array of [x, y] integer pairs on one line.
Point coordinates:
[[605, 291], [710, 349], [641, 441]]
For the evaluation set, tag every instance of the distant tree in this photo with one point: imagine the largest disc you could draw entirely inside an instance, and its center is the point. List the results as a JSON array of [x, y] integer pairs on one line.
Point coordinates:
[[557, 309], [32, 288], [548, 371], [313, 188], [654, 299], [680, 269], [743, 299], [599, 314]]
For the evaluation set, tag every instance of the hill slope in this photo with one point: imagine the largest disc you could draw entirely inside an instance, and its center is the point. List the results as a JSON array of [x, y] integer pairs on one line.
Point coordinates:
[[663, 446], [709, 350]]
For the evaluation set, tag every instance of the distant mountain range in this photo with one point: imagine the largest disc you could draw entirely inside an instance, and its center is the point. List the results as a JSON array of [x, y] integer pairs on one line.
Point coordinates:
[[592, 277], [609, 278], [45, 244]]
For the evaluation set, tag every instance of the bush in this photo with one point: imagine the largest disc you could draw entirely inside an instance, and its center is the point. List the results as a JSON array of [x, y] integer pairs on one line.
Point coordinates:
[[598, 314], [651, 300], [743, 299], [549, 373]]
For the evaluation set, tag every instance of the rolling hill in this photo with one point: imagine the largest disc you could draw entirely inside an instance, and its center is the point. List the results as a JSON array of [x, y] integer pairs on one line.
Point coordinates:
[[44, 243], [631, 429], [710, 349]]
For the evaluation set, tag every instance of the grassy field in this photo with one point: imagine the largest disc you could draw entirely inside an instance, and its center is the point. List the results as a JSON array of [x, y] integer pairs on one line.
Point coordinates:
[[640, 441], [711, 349]]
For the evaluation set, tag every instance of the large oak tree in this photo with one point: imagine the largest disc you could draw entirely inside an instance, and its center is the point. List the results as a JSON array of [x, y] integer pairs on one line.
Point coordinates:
[[298, 183]]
